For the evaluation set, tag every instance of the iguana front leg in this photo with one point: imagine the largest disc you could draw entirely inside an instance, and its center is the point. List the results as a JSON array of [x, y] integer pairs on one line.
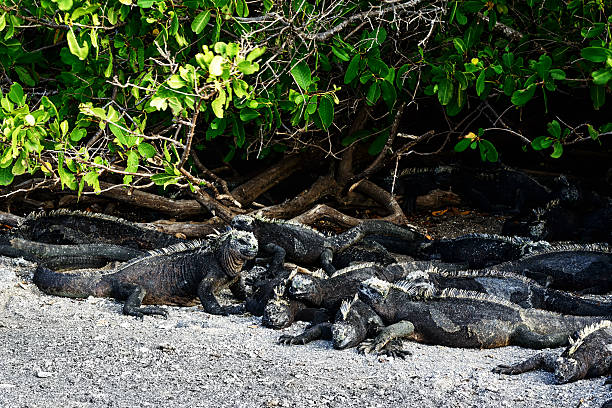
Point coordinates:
[[238, 290], [206, 293], [541, 361], [314, 332], [132, 306], [278, 259], [386, 341]]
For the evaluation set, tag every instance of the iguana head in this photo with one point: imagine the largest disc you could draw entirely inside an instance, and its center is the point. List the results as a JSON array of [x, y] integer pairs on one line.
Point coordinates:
[[243, 244], [374, 290], [567, 369], [243, 222], [304, 287], [277, 314], [345, 329]]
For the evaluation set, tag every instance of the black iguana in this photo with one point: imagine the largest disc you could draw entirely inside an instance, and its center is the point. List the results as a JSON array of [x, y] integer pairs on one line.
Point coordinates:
[[590, 355], [517, 289], [459, 318], [305, 245], [479, 250], [64, 256], [80, 227], [575, 267], [176, 275]]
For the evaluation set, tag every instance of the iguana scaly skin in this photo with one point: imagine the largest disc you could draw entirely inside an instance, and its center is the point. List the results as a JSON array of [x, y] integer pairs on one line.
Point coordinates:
[[64, 256], [342, 285], [588, 356], [479, 250], [305, 245], [79, 227], [568, 267], [517, 289], [176, 275], [458, 318]]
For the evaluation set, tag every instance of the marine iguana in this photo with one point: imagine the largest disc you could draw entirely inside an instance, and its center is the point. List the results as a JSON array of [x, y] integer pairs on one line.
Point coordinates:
[[303, 244], [479, 250], [330, 292], [576, 267], [364, 251], [517, 289], [492, 189], [80, 227], [588, 356], [459, 318], [175, 275], [354, 323], [64, 256]]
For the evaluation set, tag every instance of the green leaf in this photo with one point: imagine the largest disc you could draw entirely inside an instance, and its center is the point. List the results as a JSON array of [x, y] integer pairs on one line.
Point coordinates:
[[459, 45], [6, 176], [445, 91], [353, 69], [248, 67], [199, 23], [541, 142], [463, 144], [145, 3], [64, 5], [16, 94], [373, 94], [460, 77], [596, 54], [255, 53], [378, 143], [146, 150], [232, 50], [557, 74], [301, 74], [216, 66], [487, 151], [480, 83], [602, 76], [326, 111], [543, 66], [247, 114], [554, 128], [218, 104], [522, 96], [161, 104], [388, 93], [378, 66], [557, 150], [24, 75], [164, 179], [340, 53], [75, 48], [77, 134], [592, 132]]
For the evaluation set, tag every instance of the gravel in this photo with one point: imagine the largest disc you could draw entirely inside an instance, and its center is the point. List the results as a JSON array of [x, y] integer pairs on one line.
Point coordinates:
[[85, 353]]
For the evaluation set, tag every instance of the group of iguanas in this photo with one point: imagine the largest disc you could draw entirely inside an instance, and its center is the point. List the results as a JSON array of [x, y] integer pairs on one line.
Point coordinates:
[[476, 291]]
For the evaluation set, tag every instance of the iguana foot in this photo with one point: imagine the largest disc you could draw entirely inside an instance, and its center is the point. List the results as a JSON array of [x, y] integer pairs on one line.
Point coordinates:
[[507, 369], [288, 340], [140, 312], [391, 349]]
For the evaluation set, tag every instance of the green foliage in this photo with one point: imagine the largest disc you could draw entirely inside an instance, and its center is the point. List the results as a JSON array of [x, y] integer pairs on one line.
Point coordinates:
[[250, 73]]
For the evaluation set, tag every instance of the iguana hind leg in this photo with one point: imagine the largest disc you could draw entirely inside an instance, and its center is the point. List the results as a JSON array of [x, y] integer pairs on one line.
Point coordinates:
[[132, 306], [541, 361]]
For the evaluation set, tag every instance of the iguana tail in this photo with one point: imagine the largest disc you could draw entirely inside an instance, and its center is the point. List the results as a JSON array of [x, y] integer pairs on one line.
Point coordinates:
[[375, 227], [562, 302], [67, 284]]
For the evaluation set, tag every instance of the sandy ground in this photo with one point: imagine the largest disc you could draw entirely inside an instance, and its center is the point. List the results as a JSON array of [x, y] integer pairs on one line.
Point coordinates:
[[84, 353]]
